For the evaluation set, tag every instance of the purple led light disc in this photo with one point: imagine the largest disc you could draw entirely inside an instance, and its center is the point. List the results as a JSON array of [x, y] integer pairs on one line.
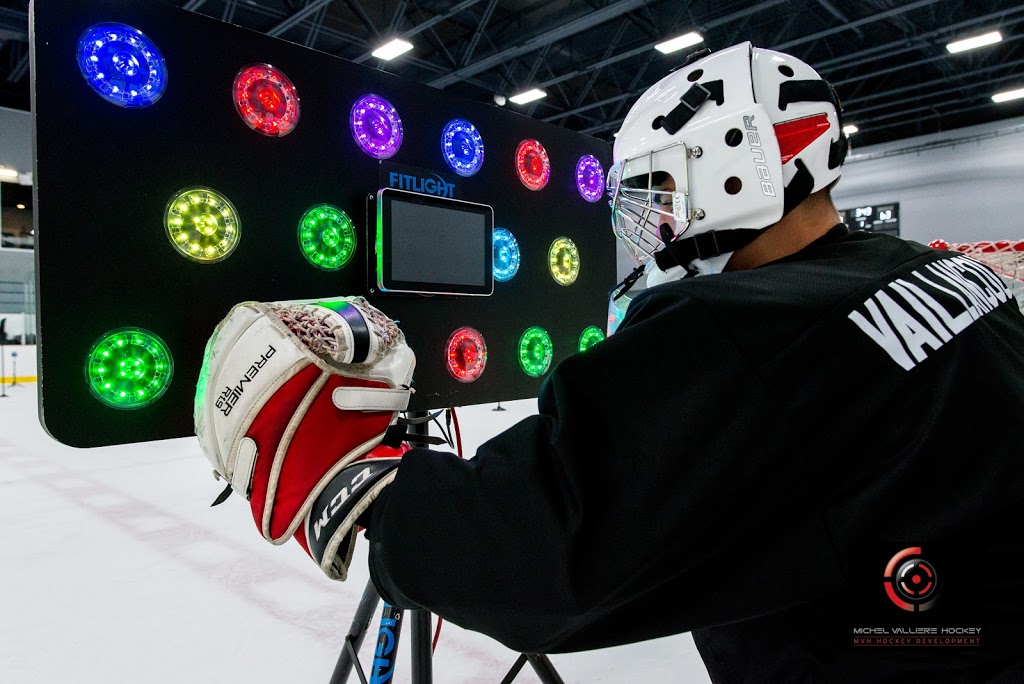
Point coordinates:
[[590, 178], [376, 126]]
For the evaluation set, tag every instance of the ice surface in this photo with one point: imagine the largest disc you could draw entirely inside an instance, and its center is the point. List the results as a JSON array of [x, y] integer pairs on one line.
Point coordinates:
[[115, 570]]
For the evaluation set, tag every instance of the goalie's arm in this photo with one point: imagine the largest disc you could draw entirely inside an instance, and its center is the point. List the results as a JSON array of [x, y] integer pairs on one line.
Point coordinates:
[[567, 522]]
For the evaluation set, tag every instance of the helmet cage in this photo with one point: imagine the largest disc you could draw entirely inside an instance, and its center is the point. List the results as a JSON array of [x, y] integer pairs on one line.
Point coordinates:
[[638, 205]]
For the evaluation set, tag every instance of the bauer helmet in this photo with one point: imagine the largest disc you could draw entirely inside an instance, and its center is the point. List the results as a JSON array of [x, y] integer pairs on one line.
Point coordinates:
[[746, 135]]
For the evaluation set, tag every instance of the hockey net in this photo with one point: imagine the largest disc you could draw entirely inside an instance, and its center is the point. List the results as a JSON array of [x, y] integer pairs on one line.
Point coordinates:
[[1005, 257]]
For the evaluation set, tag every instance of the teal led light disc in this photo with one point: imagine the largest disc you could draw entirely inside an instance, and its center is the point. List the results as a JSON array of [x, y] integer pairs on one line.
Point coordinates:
[[129, 368], [327, 237]]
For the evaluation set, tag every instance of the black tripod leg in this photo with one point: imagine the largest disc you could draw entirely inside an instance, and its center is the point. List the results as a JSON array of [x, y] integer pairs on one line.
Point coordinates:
[[422, 670], [367, 606], [516, 668], [544, 669]]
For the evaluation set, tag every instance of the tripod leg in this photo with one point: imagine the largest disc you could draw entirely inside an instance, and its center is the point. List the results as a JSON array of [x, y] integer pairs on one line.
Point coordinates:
[[544, 669], [516, 668], [422, 671], [360, 623], [386, 653]]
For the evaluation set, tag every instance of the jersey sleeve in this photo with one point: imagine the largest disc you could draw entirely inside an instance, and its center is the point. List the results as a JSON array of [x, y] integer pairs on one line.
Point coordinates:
[[640, 501]]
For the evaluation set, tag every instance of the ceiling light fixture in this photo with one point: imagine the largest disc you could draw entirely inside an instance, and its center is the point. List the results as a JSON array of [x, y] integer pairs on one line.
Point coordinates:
[[684, 41], [1008, 95], [528, 96], [393, 49], [975, 42]]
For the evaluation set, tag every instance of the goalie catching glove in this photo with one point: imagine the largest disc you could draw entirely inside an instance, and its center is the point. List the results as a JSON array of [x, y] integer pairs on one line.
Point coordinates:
[[292, 399]]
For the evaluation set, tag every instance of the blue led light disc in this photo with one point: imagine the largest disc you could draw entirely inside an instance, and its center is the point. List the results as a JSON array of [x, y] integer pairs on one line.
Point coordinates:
[[462, 146], [506, 255], [122, 65]]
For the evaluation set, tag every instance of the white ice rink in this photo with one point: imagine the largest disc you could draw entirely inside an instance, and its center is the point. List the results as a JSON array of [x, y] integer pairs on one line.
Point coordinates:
[[115, 570]]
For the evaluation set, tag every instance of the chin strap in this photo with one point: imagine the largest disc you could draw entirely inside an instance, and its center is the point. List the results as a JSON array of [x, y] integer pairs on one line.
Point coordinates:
[[703, 246], [627, 284]]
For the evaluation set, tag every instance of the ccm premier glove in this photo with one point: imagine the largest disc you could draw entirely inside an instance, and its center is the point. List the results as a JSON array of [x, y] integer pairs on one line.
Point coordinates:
[[290, 395]]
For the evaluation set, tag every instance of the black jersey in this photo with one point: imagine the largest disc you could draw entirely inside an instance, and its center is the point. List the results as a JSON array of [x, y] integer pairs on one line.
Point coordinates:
[[716, 464]]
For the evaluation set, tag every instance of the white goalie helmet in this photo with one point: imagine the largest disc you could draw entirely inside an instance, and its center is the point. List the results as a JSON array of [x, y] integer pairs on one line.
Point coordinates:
[[746, 134]]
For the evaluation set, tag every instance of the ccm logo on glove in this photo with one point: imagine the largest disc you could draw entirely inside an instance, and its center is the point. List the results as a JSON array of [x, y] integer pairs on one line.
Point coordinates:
[[339, 498]]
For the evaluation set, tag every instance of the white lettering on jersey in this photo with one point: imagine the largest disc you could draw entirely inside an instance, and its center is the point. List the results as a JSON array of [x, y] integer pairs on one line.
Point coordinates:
[[947, 298]]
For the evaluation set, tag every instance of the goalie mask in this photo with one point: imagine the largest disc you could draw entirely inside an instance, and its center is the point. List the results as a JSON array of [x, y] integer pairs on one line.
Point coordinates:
[[716, 152]]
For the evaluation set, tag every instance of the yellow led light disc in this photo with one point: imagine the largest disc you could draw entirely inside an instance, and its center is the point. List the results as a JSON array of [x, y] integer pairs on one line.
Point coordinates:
[[564, 261], [202, 224]]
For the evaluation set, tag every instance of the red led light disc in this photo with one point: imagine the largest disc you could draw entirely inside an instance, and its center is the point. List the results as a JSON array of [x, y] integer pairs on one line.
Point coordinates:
[[266, 100], [466, 355], [532, 164]]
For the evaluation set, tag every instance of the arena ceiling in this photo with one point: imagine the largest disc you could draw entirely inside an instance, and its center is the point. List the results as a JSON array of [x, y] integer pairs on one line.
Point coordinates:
[[887, 58]]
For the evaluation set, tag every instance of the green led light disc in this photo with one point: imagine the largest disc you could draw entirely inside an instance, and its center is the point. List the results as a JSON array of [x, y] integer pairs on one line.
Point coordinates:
[[327, 237], [564, 261], [590, 337], [202, 224], [535, 351], [129, 368]]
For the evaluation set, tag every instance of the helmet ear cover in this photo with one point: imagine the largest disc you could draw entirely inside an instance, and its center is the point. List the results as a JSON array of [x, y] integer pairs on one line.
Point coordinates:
[[818, 91]]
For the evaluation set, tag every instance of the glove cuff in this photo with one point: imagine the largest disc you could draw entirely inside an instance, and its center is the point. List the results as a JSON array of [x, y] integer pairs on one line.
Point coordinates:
[[329, 530]]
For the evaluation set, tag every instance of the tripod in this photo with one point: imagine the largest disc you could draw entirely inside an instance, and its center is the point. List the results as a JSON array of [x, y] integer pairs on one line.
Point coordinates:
[[387, 645], [390, 630]]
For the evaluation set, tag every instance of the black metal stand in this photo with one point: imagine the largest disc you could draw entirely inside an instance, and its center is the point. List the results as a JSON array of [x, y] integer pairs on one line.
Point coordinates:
[[367, 606], [391, 626], [498, 407]]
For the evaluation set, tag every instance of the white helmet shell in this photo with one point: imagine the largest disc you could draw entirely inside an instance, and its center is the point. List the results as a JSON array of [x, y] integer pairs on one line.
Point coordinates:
[[733, 129]]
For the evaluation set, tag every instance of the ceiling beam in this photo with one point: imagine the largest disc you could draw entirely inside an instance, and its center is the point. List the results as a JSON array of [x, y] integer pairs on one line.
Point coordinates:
[[852, 25], [13, 24], [481, 27], [908, 65], [798, 41], [935, 82], [887, 50], [19, 69], [838, 14], [721, 21], [570, 28], [309, 10], [428, 24]]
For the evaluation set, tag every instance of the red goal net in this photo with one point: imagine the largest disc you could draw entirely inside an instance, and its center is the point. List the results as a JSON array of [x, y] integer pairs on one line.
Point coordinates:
[[1005, 257]]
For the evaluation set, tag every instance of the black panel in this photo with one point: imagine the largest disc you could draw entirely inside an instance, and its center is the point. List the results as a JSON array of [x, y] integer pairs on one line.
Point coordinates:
[[104, 175]]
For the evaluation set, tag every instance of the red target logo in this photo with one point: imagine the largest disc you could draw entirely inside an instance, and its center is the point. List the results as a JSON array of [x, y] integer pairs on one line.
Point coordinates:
[[910, 581]]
